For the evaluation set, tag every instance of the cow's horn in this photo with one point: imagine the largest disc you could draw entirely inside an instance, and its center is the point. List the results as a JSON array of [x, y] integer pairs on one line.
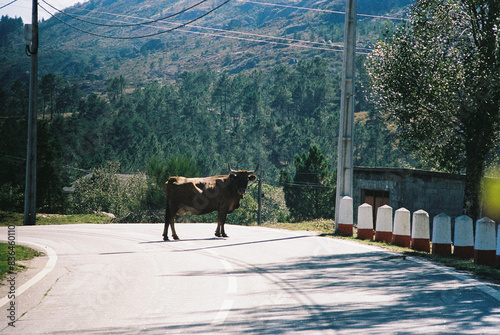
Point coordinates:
[[258, 165], [231, 170]]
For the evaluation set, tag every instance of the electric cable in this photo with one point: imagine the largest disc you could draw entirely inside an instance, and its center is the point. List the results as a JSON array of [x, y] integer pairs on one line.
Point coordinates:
[[133, 37], [319, 10], [293, 42], [125, 24], [10, 3]]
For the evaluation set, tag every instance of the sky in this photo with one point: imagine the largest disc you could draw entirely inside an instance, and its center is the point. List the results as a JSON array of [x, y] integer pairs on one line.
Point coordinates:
[[22, 8]]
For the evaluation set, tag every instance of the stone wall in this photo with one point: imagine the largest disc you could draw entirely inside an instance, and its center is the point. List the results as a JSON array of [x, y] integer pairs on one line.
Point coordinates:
[[434, 192]]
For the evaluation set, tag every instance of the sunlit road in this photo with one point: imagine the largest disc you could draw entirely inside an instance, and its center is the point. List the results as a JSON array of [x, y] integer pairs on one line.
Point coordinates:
[[122, 279]]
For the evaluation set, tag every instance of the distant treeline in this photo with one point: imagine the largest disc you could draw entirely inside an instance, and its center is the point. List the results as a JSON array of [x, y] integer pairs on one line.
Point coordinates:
[[211, 117]]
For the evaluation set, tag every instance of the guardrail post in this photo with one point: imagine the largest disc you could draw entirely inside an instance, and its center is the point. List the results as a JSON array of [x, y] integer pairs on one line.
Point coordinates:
[[497, 260], [401, 232], [365, 222], [441, 235], [384, 224], [345, 216], [485, 244], [463, 245], [420, 239]]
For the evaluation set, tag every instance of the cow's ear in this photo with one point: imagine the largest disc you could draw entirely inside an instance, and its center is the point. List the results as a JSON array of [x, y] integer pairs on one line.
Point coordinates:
[[252, 177]]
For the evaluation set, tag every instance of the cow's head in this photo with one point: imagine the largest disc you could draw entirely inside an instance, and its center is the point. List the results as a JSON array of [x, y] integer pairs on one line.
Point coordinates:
[[241, 178]]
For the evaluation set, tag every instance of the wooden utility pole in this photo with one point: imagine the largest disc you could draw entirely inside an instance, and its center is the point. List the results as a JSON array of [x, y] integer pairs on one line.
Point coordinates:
[[346, 125], [259, 200], [30, 188]]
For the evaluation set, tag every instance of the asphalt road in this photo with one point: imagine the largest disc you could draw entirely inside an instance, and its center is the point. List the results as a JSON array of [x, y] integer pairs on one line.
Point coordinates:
[[123, 279]]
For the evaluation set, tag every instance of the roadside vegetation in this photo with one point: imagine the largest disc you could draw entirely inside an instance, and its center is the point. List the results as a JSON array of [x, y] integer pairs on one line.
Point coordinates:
[[22, 253], [16, 219]]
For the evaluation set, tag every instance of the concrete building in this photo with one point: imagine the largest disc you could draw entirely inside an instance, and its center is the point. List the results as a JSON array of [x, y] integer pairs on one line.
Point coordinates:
[[434, 192]]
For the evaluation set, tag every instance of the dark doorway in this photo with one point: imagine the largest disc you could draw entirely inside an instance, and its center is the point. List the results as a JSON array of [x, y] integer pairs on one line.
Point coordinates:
[[375, 198]]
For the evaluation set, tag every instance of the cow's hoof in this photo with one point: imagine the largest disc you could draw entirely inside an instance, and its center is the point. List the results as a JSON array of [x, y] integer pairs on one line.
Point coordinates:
[[165, 238], [218, 234], [175, 237], [224, 235]]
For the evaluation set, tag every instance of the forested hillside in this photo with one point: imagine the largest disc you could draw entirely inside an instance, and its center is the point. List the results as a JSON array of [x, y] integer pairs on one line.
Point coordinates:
[[212, 100], [101, 39]]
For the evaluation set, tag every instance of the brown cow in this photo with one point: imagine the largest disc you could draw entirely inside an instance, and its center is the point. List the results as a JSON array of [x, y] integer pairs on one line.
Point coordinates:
[[205, 195]]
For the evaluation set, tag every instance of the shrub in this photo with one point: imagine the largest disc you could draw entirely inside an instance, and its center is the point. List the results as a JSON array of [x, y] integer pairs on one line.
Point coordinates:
[[104, 190]]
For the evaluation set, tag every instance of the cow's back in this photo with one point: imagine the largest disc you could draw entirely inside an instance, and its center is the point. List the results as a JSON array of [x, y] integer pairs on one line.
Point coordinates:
[[197, 195]]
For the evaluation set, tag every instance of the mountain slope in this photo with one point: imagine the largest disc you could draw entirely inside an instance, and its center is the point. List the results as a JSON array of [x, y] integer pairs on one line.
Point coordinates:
[[237, 37]]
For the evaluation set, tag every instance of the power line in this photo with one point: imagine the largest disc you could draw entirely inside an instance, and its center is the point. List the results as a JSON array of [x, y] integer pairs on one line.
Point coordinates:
[[10, 3], [241, 33], [125, 24], [293, 42], [305, 184], [319, 10], [134, 37]]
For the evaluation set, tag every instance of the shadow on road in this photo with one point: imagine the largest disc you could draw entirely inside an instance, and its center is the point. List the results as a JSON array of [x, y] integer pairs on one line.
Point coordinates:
[[241, 243], [369, 293]]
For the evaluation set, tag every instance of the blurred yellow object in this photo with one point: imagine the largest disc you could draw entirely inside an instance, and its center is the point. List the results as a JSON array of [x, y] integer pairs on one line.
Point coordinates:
[[491, 194]]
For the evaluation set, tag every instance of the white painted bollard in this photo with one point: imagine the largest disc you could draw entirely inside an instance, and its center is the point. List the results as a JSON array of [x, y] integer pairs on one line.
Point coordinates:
[[365, 222], [497, 258], [463, 245], [401, 232], [485, 244], [345, 224], [384, 224], [420, 235], [441, 234]]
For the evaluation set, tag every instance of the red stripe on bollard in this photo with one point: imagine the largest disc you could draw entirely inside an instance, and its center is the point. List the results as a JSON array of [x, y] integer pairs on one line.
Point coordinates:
[[463, 252], [441, 248], [383, 236]]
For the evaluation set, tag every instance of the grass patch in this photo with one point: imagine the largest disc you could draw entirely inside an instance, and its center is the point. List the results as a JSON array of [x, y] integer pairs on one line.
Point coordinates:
[[16, 219], [22, 253], [327, 228], [324, 227]]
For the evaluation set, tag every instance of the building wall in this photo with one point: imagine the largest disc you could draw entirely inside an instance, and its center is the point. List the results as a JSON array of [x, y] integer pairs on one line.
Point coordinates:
[[434, 192]]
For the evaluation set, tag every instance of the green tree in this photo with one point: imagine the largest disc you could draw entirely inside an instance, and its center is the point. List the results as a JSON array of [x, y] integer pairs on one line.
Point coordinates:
[[310, 194], [115, 88], [159, 170], [50, 181], [104, 190], [48, 86], [437, 79], [313, 86]]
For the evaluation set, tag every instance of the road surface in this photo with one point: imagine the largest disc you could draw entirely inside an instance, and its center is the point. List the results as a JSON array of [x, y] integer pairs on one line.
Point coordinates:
[[123, 279]]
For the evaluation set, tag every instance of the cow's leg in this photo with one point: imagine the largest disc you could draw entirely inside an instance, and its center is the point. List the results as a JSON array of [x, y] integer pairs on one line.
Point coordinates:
[[172, 224], [221, 219], [169, 221], [217, 230]]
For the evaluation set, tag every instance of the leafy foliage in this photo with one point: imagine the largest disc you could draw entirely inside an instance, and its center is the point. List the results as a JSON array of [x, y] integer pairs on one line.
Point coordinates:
[[437, 78], [159, 171], [192, 127], [310, 194], [103, 191]]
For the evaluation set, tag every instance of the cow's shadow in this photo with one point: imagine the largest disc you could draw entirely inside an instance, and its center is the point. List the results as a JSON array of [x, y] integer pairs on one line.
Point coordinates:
[[184, 240]]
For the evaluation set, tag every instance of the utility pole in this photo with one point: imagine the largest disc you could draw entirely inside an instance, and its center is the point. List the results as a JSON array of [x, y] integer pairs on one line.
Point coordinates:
[[346, 125], [30, 188], [259, 199]]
